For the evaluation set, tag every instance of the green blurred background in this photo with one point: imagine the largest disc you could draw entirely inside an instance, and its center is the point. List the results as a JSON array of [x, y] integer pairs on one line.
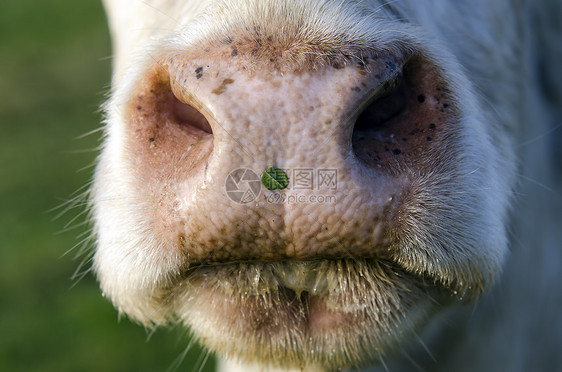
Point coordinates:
[[54, 71]]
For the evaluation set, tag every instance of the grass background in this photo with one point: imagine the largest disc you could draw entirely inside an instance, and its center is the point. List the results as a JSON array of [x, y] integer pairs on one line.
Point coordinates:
[[54, 69]]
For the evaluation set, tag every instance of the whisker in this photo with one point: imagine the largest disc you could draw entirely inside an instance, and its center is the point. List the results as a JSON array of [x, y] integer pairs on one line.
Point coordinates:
[[535, 182], [87, 134], [381, 358], [411, 360], [422, 343], [202, 363], [180, 358]]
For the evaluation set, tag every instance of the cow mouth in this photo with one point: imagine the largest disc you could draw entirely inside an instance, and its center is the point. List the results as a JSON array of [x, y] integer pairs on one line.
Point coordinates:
[[321, 312]]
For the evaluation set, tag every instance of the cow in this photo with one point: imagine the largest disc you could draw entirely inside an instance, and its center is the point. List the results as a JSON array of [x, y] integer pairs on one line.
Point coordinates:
[[322, 185]]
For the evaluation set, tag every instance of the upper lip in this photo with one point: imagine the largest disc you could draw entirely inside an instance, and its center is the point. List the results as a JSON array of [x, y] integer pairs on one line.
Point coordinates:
[[301, 277]]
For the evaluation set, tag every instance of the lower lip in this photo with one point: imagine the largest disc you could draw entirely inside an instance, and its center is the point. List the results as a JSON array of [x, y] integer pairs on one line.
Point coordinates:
[[321, 318]]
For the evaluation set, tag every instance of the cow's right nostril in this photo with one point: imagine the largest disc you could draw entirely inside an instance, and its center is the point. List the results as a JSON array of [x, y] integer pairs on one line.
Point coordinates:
[[186, 115], [162, 106], [166, 131]]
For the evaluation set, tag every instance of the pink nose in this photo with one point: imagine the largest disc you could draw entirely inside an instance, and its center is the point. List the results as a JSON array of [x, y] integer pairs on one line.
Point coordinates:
[[351, 140]]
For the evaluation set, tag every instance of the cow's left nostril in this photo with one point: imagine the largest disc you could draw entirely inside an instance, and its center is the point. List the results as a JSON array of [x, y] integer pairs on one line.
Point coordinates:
[[388, 104]]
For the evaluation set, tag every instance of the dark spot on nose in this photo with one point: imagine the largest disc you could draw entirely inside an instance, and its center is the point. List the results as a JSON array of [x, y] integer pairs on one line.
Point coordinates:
[[391, 66], [428, 139], [432, 126], [234, 52], [182, 240], [421, 98], [356, 89], [396, 152], [221, 88]]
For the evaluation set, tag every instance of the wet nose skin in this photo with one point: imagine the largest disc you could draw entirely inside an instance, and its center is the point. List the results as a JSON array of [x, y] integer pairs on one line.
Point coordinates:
[[336, 205]]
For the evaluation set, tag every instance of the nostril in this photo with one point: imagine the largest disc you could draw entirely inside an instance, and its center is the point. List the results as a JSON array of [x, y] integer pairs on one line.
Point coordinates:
[[407, 120], [388, 104], [163, 114], [186, 115], [163, 127]]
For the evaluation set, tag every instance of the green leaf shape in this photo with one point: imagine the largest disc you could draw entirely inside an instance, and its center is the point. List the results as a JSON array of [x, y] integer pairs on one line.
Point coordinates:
[[274, 178]]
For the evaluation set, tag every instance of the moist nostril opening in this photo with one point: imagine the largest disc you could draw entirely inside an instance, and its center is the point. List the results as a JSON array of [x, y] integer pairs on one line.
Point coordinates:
[[406, 123], [186, 115], [163, 126], [389, 105]]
